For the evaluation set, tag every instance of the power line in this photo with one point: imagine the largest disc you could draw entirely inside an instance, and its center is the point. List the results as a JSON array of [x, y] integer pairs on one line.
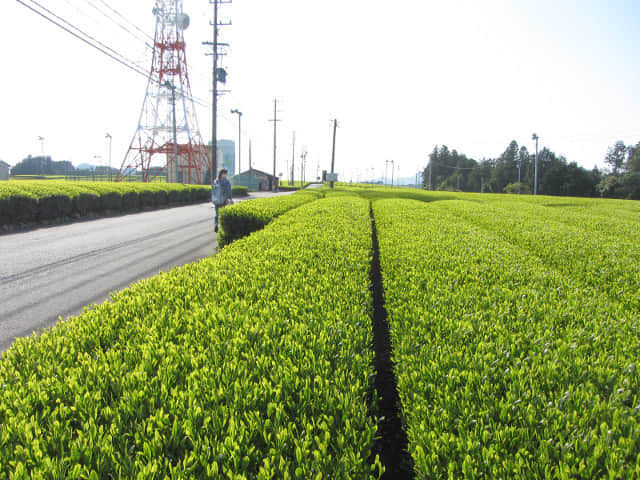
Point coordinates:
[[456, 168], [101, 47], [119, 24], [132, 43], [147, 47], [126, 20], [114, 56]]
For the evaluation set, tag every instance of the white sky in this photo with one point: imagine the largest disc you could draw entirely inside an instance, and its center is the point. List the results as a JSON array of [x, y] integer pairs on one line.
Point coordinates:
[[400, 77]]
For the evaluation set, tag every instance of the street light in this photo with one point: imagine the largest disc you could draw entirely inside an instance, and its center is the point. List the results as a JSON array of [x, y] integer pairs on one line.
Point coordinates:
[[41, 139], [535, 182], [239, 113], [110, 139]]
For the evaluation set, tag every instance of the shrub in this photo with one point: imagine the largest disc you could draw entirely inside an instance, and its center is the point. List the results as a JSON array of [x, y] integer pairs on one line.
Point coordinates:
[[86, 203], [27, 201], [240, 220], [16, 205], [252, 364], [507, 366], [239, 191]]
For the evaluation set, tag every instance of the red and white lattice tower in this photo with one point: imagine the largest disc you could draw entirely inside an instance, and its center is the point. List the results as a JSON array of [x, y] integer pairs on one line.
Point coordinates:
[[152, 148]]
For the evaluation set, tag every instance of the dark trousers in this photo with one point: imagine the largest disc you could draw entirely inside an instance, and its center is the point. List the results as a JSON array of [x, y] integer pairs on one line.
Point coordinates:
[[218, 207]]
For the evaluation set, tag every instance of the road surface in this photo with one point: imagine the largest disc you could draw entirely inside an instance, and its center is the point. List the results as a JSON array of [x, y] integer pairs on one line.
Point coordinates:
[[55, 272]]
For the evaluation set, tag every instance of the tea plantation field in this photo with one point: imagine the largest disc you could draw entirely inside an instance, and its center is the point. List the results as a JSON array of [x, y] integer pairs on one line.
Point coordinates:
[[513, 324]]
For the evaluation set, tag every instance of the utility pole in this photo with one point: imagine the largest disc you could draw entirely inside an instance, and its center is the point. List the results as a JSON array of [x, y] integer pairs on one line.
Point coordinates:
[[386, 174], [430, 170], [214, 110], [293, 160], [333, 152], [535, 182], [175, 131], [250, 166], [519, 175], [239, 113], [214, 124], [41, 139], [110, 139], [303, 164], [393, 168], [275, 134]]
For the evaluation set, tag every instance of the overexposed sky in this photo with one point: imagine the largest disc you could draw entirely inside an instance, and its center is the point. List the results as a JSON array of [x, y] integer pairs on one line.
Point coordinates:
[[400, 77]]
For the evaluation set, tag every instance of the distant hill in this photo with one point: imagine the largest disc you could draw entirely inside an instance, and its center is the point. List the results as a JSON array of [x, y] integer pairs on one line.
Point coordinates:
[[85, 166]]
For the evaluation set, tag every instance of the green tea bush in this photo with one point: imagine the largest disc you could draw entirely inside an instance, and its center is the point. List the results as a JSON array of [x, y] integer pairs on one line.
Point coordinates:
[[239, 191], [30, 201], [16, 205], [253, 364], [240, 220], [509, 363]]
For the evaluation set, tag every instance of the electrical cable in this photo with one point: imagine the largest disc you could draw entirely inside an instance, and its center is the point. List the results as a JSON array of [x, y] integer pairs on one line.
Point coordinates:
[[101, 47], [126, 20], [455, 168], [113, 56], [119, 24]]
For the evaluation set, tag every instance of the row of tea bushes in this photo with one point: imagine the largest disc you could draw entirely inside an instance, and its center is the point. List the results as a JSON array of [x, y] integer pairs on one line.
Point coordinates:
[[254, 364], [28, 202], [597, 242], [240, 220], [508, 367]]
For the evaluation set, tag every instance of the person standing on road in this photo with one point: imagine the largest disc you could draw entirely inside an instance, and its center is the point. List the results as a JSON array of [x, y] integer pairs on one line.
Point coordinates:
[[221, 194]]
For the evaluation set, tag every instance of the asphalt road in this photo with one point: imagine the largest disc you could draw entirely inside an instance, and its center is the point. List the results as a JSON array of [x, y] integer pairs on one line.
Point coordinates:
[[55, 272]]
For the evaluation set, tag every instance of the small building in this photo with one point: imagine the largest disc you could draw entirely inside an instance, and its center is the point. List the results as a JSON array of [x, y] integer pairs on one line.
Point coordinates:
[[4, 170], [255, 180]]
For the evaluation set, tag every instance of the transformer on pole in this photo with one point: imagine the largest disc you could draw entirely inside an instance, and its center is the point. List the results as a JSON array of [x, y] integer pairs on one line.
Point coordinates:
[[153, 149]]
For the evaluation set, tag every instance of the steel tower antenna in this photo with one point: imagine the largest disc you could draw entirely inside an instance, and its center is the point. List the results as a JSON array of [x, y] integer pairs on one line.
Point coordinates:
[[153, 149]]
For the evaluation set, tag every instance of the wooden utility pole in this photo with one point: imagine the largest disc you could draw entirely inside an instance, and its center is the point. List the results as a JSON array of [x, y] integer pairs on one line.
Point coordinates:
[[393, 168], [535, 182], [275, 135], [303, 162], [216, 45]]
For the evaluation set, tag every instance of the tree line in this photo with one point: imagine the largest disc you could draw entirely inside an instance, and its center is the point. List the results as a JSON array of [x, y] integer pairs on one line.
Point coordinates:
[[514, 172], [44, 165]]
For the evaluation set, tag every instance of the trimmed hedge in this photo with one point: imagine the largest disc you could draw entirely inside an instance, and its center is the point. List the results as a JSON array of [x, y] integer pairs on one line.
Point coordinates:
[[240, 220], [28, 201], [239, 191], [255, 364], [508, 366]]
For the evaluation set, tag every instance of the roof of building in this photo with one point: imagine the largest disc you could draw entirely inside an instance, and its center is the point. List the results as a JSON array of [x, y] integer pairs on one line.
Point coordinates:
[[4, 164], [253, 170]]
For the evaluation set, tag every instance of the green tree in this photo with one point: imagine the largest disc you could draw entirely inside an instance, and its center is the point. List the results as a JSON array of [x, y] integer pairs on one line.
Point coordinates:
[[633, 159], [506, 171], [616, 157]]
